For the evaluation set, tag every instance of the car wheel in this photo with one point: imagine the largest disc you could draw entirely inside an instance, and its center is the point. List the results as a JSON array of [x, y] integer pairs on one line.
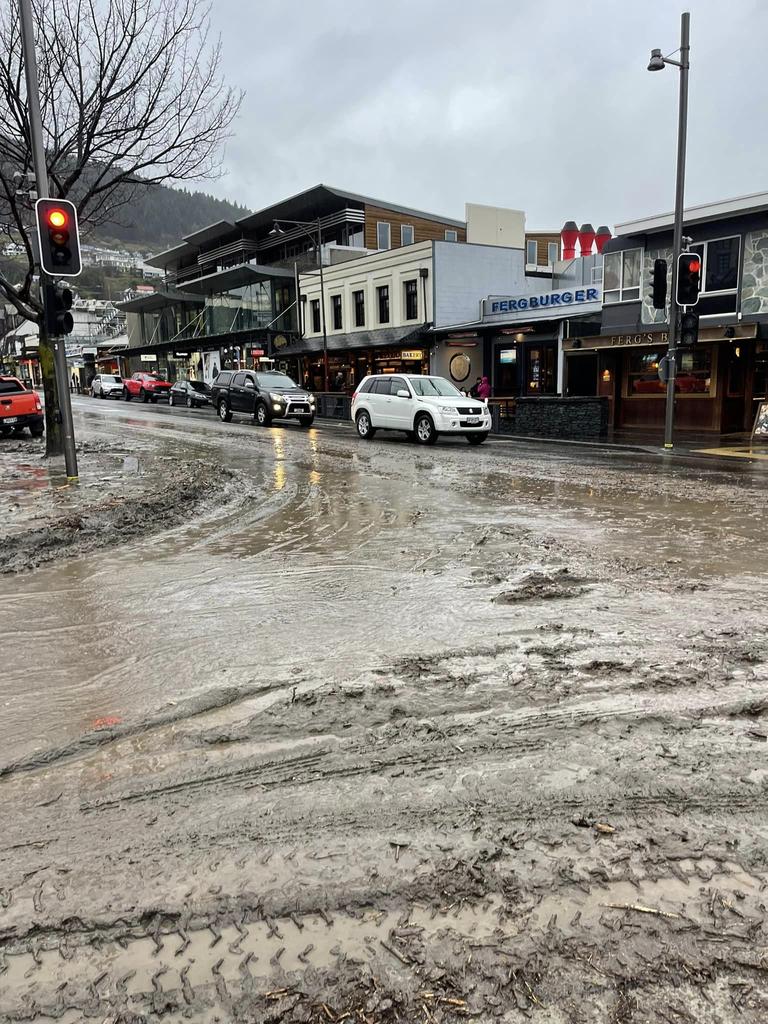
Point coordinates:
[[306, 421], [126, 394], [261, 416], [477, 438], [190, 403], [170, 400], [143, 395], [102, 394], [365, 428], [224, 414], [424, 429]]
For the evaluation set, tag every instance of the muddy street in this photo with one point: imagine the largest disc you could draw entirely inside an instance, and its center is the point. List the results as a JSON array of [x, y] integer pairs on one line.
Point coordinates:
[[369, 732]]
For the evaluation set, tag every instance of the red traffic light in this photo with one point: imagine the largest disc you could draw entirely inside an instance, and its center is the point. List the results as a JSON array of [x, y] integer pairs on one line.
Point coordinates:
[[57, 218], [694, 266]]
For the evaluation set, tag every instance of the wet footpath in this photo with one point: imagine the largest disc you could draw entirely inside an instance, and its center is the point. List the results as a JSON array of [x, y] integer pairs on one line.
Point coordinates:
[[313, 729]]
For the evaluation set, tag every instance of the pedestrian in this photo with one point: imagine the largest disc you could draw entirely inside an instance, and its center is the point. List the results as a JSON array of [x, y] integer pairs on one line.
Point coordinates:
[[484, 390], [338, 381], [473, 391], [74, 382]]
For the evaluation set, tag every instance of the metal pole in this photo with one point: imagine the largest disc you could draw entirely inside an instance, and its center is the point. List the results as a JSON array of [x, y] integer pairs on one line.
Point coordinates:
[[322, 304], [41, 175], [682, 129]]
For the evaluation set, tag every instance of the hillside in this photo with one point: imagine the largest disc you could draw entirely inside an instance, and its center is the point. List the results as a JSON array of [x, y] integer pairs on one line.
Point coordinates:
[[160, 216]]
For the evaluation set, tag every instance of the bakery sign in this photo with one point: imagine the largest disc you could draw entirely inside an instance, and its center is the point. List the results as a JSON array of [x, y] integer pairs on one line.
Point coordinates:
[[540, 305]]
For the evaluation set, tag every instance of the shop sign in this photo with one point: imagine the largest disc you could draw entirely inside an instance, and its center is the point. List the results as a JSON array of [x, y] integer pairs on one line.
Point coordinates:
[[280, 341], [181, 355], [412, 353], [148, 357], [255, 352], [508, 355], [618, 340], [559, 301]]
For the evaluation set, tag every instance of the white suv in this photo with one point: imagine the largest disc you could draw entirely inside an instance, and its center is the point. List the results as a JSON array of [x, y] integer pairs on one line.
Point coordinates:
[[423, 407], [107, 385]]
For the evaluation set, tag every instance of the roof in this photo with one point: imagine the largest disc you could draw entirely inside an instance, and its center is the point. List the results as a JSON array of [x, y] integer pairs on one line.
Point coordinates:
[[382, 336], [752, 203], [152, 303], [162, 259], [233, 277], [220, 227], [305, 204]]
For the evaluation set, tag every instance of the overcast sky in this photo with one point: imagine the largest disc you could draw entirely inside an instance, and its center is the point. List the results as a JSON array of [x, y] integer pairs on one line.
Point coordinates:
[[540, 106]]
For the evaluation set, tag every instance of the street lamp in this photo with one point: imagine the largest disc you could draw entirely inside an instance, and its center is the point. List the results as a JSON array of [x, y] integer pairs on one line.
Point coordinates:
[[657, 63], [316, 226]]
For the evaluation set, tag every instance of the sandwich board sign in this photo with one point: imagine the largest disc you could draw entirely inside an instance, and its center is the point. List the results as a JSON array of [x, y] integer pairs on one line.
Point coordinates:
[[760, 428]]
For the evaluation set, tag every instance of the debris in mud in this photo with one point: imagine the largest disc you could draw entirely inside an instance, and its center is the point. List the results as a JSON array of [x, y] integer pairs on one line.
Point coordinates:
[[53, 522], [541, 586]]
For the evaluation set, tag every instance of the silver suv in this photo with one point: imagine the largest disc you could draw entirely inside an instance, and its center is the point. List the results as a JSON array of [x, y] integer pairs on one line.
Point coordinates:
[[107, 385]]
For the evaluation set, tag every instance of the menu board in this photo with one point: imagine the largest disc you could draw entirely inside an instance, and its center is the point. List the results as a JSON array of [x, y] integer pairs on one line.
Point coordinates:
[[760, 428]]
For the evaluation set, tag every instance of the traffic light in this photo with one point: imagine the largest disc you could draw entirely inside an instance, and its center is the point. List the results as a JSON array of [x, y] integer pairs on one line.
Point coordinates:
[[58, 302], [689, 329], [59, 238], [659, 284], [688, 278]]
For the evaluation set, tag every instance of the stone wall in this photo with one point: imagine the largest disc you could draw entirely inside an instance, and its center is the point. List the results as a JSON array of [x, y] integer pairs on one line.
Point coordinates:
[[574, 418], [754, 275]]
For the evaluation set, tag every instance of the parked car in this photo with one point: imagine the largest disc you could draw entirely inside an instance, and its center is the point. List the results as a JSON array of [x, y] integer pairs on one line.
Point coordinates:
[[146, 386], [192, 393], [19, 408], [422, 406], [107, 385], [266, 396]]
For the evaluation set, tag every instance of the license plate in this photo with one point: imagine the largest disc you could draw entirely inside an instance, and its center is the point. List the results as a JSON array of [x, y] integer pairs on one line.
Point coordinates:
[[299, 408], [10, 419], [473, 419]]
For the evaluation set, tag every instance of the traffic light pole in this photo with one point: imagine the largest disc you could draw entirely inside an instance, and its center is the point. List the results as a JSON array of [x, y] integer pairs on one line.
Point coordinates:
[[674, 311], [41, 175]]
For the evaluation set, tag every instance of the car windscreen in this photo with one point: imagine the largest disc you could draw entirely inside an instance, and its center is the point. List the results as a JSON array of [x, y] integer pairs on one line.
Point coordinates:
[[434, 386], [197, 385], [10, 387], [274, 380], [110, 378]]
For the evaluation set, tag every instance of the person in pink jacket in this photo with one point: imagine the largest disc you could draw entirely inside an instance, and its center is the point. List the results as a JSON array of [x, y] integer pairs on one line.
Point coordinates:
[[484, 389]]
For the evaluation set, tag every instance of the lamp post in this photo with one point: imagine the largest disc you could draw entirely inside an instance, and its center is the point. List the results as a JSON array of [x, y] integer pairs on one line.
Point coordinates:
[[316, 226], [657, 63]]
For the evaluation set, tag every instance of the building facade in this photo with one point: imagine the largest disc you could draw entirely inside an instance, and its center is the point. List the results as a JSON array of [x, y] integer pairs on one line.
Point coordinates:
[[722, 377]]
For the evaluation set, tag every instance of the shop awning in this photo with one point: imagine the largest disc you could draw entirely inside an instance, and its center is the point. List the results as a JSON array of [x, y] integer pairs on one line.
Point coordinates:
[[233, 277], [155, 301], [385, 337]]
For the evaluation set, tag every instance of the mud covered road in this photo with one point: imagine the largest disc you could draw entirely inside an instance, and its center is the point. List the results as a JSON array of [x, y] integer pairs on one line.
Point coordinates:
[[402, 735]]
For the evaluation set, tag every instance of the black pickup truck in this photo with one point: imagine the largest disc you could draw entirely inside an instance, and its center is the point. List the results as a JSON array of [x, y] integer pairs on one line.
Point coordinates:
[[265, 396]]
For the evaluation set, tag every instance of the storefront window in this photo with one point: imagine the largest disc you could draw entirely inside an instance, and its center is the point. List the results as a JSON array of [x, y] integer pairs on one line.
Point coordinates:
[[694, 374], [505, 371], [720, 275], [240, 309], [540, 370]]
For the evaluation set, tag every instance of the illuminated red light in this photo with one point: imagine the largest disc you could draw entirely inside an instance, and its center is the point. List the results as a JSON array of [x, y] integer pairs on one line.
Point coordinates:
[[694, 266], [57, 218]]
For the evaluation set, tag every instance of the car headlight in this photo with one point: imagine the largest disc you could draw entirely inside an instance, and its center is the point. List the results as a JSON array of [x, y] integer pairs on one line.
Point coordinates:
[[449, 410], [276, 398], [311, 399]]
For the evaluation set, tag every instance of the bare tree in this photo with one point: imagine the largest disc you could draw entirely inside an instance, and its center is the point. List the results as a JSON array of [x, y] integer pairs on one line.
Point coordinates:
[[132, 95]]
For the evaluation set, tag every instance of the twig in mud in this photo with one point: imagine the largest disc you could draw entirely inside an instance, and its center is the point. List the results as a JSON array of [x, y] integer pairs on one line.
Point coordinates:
[[641, 909], [395, 952]]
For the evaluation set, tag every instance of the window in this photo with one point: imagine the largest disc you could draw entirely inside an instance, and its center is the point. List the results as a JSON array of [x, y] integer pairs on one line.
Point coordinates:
[[720, 275], [238, 380], [381, 386], [621, 276], [383, 296], [411, 300], [406, 234], [367, 385], [315, 310], [694, 376], [451, 235], [359, 300], [383, 235], [336, 307], [531, 251], [397, 384], [553, 252]]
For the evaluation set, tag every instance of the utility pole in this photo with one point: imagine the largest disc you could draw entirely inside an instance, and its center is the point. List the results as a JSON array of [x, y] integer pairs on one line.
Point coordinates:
[[322, 302], [57, 401], [657, 64]]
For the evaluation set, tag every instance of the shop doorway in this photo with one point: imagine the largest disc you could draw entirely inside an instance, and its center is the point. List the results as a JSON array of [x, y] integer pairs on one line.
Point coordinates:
[[540, 370], [582, 375]]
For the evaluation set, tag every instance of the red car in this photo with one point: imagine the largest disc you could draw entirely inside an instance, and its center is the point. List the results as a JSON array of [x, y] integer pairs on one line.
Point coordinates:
[[19, 408], [146, 386]]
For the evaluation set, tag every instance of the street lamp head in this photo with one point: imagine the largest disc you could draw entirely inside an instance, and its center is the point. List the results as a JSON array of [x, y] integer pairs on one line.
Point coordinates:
[[277, 230], [656, 63]]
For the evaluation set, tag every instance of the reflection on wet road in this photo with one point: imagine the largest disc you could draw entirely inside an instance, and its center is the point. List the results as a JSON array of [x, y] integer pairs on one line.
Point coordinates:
[[349, 553]]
